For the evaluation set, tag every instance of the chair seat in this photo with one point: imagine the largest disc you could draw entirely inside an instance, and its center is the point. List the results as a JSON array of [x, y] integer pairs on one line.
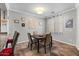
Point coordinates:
[[6, 52]]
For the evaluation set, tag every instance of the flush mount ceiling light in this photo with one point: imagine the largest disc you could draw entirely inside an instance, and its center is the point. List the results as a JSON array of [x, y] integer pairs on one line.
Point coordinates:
[[39, 10]]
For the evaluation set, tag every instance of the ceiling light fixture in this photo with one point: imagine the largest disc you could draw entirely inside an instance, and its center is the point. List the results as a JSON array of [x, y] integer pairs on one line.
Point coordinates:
[[39, 10]]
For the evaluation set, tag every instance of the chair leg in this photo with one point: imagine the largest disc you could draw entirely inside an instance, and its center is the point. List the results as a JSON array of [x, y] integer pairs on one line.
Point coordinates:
[[28, 45], [31, 46], [51, 42], [45, 49], [50, 47], [6, 45], [13, 54]]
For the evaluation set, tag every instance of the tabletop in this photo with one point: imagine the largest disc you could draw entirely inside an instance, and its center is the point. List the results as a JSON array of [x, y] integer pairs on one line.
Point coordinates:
[[38, 36]]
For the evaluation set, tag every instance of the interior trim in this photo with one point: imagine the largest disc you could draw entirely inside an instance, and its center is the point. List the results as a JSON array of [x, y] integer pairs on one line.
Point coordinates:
[[53, 39], [26, 13], [22, 42], [3, 32], [77, 47], [65, 42]]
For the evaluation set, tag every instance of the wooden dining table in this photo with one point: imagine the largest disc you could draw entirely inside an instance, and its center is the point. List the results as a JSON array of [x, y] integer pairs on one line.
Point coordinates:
[[38, 38]]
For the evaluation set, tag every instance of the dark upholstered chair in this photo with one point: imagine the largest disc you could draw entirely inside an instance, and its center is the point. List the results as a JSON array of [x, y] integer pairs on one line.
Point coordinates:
[[31, 41], [10, 51]]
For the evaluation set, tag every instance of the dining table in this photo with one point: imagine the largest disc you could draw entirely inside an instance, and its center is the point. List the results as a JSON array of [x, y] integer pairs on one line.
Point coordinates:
[[38, 38]]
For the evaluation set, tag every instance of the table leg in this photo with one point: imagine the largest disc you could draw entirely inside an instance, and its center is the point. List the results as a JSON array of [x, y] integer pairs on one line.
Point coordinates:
[[38, 46]]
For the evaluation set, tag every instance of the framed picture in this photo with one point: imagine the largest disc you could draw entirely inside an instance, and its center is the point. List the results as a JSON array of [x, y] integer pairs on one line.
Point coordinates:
[[69, 24], [16, 21], [23, 24]]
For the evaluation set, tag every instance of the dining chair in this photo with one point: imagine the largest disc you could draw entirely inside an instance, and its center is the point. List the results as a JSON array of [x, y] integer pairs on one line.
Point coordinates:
[[47, 42], [10, 51], [15, 38], [10, 40], [31, 41]]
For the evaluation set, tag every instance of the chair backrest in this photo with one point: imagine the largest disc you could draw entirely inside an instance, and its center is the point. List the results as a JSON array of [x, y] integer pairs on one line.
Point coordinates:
[[11, 41], [15, 38], [48, 38], [14, 34], [30, 38]]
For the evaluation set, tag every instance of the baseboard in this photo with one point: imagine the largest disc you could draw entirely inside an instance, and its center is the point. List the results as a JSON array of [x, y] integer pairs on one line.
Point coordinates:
[[53, 39], [65, 43], [77, 47], [22, 42], [3, 32]]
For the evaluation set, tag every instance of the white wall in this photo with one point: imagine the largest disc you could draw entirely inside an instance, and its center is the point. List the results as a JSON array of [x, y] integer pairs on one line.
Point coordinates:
[[56, 25], [24, 30], [50, 25], [3, 25], [77, 12]]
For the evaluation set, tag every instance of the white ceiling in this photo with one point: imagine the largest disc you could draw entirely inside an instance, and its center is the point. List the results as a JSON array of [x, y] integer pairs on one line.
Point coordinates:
[[49, 7]]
